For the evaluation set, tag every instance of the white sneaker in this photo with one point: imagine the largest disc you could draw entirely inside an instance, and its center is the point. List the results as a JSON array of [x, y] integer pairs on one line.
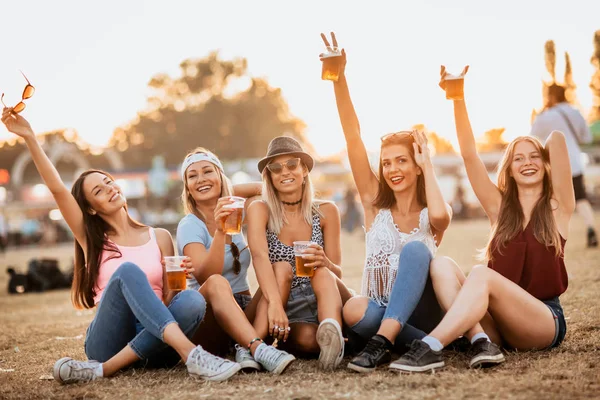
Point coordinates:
[[202, 364], [66, 370], [273, 360], [331, 342], [245, 359]]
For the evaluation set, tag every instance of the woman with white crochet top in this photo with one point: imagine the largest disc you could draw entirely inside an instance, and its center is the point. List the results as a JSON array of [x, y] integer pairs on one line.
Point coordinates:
[[405, 219]]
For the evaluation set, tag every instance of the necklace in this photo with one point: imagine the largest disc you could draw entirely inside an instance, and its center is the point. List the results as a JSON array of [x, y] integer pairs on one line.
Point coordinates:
[[292, 204]]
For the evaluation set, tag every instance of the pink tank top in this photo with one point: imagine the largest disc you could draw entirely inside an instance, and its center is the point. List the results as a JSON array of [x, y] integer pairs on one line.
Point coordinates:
[[146, 256]]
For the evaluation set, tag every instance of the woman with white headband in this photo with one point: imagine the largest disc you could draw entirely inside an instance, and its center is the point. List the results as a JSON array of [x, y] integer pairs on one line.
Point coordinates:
[[220, 263]]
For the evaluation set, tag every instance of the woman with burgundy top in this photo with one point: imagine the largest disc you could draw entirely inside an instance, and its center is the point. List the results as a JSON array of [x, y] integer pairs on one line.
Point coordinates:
[[529, 209], [118, 268]]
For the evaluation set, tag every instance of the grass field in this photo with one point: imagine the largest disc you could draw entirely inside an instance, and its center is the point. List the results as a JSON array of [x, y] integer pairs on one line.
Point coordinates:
[[38, 329]]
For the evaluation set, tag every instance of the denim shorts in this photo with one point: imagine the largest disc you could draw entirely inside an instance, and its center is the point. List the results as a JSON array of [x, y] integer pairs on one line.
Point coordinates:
[[559, 320], [302, 304], [242, 299]]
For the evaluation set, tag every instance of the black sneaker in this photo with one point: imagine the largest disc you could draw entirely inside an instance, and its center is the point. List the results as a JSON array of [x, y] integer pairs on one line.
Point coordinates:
[[592, 239], [485, 354], [419, 358], [376, 352]]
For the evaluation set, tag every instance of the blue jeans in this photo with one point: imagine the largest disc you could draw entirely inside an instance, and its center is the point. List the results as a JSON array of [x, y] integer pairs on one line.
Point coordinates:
[[131, 314], [412, 301]]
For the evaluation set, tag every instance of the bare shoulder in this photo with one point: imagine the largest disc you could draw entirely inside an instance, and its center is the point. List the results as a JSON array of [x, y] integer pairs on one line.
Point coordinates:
[[258, 210], [163, 236], [328, 208]]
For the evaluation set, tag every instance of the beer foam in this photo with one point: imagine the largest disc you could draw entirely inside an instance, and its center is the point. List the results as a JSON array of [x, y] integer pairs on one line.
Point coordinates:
[[450, 77], [331, 54]]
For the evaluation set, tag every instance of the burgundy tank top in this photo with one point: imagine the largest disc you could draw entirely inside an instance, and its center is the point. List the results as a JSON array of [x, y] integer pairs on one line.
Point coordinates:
[[532, 265]]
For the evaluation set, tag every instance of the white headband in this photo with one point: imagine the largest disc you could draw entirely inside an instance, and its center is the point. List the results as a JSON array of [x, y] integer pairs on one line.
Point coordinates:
[[197, 157]]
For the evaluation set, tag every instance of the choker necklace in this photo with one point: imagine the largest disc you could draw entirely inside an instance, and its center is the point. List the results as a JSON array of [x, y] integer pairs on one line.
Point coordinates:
[[292, 204]]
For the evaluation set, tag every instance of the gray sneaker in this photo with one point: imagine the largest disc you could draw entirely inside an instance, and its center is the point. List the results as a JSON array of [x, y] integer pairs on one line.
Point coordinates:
[[331, 342], [273, 360], [245, 359], [485, 354], [202, 364], [420, 358], [66, 370]]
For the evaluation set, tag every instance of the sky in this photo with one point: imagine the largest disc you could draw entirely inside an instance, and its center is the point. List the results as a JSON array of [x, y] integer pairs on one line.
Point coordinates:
[[91, 61]]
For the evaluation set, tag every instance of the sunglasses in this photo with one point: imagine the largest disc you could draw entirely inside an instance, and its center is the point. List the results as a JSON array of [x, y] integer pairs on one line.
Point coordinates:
[[400, 134], [235, 252], [27, 94], [290, 164]]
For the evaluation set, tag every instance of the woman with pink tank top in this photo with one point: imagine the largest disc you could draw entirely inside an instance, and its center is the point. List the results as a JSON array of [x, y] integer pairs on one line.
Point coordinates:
[[118, 270]]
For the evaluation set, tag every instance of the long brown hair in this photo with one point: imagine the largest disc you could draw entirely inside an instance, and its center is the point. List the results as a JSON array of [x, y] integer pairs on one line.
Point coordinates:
[[510, 217], [385, 195], [189, 204], [87, 266]]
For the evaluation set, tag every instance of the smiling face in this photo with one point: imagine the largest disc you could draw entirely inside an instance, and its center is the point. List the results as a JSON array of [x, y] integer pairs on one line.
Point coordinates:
[[527, 164], [398, 167], [103, 195], [203, 181], [289, 179]]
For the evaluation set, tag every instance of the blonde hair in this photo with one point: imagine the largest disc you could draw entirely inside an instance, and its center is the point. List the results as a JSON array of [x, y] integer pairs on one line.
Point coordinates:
[[270, 196], [510, 217], [189, 204]]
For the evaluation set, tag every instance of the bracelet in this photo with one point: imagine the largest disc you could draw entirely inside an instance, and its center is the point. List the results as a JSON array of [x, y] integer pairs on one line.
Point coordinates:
[[254, 340]]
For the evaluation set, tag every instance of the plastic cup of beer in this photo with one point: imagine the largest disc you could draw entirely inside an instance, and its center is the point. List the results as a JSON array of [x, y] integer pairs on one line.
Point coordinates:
[[232, 225], [301, 270], [332, 60], [455, 87], [176, 279]]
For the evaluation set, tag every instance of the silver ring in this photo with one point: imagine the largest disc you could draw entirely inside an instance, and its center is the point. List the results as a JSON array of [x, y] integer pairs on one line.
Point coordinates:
[[281, 329], [288, 328], [276, 327]]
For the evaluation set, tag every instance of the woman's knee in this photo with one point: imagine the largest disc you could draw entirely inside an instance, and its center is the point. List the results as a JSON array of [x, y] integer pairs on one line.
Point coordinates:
[[188, 307], [323, 276], [216, 285], [283, 271], [480, 273], [416, 253], [128, 269], [442, 267], [354, 310]]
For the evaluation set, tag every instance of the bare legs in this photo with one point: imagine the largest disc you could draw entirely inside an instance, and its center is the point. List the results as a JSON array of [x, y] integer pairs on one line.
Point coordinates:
[[523, 321], [448, 279]]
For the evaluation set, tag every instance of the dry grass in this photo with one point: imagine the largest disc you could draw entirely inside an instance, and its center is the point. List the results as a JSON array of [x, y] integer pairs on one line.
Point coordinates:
[[31, 324]]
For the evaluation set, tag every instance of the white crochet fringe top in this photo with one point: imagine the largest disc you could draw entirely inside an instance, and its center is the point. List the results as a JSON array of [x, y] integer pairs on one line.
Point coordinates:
[[384, 242]]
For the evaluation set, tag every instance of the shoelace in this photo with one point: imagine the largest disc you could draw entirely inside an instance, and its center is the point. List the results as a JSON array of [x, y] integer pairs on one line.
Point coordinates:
[[270, 355], [81, 369], [415, 353], [242, 352], [374, 348], [208, 361]]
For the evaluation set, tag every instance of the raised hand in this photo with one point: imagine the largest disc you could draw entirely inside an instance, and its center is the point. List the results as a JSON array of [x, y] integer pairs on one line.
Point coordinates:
[[422, 155], [16, 123], [330, 47], [444, 74]]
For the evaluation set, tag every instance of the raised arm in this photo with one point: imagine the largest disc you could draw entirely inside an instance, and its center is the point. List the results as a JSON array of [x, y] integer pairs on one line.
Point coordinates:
[[562, 183], [486, 191], [258, 218], [364, 177], [247, 190], [439, 211], [64, 199]]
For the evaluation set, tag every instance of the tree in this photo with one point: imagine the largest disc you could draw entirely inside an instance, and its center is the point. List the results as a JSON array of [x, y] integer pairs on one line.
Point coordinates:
[[492, 140], [439, 144], [595, 83], [213, 104]]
